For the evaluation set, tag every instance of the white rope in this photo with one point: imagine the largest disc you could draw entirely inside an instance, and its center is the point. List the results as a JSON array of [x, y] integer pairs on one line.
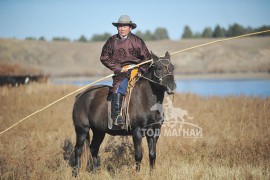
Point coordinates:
[[145, 62]]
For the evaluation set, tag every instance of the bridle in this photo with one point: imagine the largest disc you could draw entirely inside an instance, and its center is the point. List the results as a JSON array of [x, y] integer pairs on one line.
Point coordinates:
[[160, 78], [168, 70]]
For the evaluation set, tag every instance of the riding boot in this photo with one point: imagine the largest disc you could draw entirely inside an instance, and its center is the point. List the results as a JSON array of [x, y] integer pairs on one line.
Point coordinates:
[[116, 109]]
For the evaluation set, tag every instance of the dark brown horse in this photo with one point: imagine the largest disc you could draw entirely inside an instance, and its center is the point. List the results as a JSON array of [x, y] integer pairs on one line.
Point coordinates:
[[90, 111]]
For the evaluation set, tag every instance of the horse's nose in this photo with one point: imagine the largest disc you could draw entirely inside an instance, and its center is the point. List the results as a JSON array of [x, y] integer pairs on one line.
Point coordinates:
[[169, 91]]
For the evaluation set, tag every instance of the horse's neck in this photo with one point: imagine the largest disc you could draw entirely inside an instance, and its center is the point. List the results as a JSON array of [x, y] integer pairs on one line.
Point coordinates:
[[155, 86], [158, 92], [152, 89]]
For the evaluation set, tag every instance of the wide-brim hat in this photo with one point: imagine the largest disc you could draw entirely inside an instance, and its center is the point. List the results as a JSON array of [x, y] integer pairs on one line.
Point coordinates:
[[124, 19]]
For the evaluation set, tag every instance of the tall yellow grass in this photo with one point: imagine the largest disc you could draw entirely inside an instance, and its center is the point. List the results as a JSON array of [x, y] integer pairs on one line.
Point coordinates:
[[235, 142]]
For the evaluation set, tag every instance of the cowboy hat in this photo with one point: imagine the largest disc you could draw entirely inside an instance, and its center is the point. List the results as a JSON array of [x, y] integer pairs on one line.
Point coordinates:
[[125, 19]]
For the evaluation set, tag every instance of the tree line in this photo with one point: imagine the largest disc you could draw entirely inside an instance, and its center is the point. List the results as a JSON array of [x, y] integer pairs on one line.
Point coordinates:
[[161, 34], [219, 32], [158, 34]]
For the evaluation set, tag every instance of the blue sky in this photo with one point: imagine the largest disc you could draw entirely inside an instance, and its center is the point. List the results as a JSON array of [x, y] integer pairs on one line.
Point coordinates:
[[73, 18]]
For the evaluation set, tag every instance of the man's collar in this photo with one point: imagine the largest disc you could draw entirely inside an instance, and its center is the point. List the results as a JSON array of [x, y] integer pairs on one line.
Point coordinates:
[[125, 37]]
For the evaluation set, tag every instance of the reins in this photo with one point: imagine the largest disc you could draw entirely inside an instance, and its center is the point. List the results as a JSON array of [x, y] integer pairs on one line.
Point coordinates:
[[159, 78]]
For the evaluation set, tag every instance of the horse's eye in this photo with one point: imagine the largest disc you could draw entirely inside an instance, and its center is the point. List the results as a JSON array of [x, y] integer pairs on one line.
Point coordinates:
[[159, 69]]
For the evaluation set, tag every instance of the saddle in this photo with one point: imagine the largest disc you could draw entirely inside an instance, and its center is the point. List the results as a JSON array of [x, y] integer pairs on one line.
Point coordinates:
[[125, 103]]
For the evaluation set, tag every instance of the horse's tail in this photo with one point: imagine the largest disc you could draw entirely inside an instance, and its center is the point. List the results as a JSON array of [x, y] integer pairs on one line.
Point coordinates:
[[86, 157]]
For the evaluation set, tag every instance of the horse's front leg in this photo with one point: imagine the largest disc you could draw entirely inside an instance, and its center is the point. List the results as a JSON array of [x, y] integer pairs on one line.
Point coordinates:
[[137, 140], [152, 141]]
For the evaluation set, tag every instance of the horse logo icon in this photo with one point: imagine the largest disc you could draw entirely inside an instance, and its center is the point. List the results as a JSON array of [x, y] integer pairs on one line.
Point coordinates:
[[171, 116]]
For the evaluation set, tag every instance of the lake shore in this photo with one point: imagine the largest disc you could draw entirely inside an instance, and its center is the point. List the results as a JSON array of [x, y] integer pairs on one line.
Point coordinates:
[[212, 76]]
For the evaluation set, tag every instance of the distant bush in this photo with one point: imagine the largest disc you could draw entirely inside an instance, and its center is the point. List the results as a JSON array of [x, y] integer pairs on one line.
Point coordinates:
[[263, 28], [197, 35], [159, 34], [60, 39], [82, 39], [100, 37], [207, 32], [146, 36], [219, 32], [30, 38], [236, 30], [42, 39], [187, 32]]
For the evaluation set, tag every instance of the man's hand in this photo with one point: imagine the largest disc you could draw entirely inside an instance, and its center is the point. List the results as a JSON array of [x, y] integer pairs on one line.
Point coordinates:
[[124, 69]]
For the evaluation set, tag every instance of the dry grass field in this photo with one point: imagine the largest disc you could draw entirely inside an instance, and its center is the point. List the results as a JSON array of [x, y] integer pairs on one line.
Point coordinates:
[[235, 143]]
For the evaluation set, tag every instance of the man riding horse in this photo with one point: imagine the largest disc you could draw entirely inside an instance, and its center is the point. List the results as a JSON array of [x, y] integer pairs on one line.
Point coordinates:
[[90, 110], [120, 51]]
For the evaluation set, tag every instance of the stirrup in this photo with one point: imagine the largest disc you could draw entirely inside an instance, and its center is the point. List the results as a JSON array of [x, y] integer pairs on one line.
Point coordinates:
[[117, 123]]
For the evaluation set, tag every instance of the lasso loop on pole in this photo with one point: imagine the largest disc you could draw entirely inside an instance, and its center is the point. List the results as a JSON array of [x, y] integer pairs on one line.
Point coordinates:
[[145, 62]]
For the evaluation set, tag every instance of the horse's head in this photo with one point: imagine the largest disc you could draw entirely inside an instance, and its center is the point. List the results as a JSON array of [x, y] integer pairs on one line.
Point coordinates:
[[163, 72]]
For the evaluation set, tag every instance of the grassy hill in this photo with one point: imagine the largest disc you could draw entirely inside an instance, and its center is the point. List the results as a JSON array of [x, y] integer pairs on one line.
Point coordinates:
[[241, 56]]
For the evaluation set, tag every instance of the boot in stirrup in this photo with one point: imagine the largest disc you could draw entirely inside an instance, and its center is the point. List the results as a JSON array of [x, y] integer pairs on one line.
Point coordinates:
[[116, 109]]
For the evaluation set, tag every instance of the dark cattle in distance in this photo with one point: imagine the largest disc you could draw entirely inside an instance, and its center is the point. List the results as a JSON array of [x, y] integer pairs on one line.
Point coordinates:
[[21, 80]]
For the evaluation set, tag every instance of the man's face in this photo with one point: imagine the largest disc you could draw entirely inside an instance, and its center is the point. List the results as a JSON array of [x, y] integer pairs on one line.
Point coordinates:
[[124, 29]]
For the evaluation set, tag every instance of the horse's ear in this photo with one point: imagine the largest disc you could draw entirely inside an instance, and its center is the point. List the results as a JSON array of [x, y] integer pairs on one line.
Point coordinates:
[[167, 55], [154, 57]]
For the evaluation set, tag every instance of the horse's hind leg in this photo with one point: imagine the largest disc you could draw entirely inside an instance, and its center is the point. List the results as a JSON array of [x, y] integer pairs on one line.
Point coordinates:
[[81, 134], [90, 157], [94, 147]]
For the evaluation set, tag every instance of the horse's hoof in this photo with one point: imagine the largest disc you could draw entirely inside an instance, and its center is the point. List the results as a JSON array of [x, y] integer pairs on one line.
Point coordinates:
[[74, 172], [138, 168]]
